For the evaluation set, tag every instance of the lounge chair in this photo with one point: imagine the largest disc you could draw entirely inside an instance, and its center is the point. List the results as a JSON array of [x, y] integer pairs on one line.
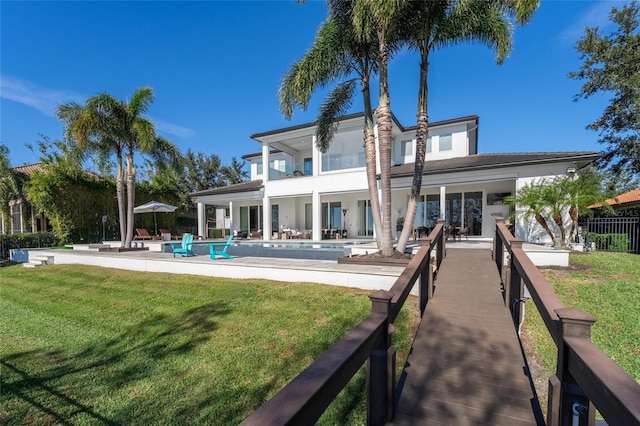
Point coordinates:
[[220, 249], [143, 234], [184, 248]]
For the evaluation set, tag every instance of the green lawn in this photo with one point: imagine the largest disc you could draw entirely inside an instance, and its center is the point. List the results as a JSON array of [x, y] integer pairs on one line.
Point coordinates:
[[87, 345], [607, 285]]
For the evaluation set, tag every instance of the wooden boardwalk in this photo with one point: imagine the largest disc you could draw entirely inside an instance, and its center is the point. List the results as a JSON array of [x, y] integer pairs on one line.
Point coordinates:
[[466, 366]]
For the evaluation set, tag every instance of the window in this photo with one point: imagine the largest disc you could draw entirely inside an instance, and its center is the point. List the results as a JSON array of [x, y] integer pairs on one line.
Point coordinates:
[[279, 165], [332, 215], [308, 168], [429, 144], [259, 168], [446, 142], [308, 216], [406, 148], [343, 154]]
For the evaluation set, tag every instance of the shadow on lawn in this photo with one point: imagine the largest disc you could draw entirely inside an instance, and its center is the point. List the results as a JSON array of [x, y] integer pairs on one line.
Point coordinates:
[[45, 387]]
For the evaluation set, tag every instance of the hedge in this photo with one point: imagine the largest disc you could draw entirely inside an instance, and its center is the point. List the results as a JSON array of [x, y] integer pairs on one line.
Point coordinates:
[[26, 240], [610, 242]]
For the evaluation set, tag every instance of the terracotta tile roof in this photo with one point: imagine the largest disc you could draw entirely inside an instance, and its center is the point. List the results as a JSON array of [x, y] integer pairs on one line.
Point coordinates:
[[27, 169], [623, 200]]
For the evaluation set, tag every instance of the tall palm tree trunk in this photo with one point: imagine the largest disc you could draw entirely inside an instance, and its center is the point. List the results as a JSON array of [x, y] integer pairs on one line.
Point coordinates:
[[131, 196], [422, 133], [122, 217], [370, 160], [384, 141]]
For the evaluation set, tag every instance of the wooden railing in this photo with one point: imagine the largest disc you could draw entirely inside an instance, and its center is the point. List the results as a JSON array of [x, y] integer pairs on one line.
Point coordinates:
[[305, 398], [586, 379]]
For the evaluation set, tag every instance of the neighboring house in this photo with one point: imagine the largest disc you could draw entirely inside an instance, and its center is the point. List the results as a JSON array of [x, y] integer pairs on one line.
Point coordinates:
[[319, 195], [628, 200], [23, 217]]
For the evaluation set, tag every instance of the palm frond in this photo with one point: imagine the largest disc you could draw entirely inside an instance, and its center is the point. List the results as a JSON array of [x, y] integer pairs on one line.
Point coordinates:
[[337, 104]]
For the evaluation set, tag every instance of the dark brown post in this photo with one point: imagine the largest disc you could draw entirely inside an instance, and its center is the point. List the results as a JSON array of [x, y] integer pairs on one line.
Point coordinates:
[[574, 322], [516, 288], [381, 367], [497, 246], [426, 282], [441, 250]]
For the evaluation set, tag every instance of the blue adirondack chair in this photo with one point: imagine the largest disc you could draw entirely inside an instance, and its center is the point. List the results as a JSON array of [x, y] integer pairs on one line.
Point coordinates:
[[220, 249], [184, 248]]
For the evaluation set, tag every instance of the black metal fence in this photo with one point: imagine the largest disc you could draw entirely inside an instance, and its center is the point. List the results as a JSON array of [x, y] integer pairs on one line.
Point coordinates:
[[613, 233]]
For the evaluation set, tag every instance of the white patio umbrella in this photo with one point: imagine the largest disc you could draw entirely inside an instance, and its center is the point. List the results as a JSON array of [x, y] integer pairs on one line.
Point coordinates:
[[154, 206]]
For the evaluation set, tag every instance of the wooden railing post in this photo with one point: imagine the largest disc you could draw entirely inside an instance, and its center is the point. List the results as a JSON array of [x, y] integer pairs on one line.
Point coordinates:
[[381, 367], [565, 395], [515, 286], [497, 246], [441, 249], [426, 282]]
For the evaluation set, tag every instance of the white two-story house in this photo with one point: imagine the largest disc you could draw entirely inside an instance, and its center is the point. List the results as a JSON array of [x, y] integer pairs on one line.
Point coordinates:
[[296, 190]]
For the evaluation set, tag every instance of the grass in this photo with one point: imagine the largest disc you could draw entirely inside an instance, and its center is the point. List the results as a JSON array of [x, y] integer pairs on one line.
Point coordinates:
[[607, 285], [85, 345]]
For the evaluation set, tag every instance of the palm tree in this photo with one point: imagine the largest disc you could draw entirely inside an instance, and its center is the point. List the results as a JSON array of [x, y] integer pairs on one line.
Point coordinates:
[[437, 24], [529, 202], [337, 54], [109, 126], [380, 18]]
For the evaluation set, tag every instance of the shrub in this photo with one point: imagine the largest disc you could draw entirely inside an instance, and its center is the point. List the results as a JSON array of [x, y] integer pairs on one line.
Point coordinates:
[[610, 242], [26, 240]]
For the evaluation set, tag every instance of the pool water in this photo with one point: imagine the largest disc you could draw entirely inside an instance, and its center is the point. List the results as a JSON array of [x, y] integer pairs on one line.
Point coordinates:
[[288, 250]]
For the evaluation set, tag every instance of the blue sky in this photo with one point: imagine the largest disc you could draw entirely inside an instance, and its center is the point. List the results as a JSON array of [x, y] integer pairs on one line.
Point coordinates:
[[215, 67]]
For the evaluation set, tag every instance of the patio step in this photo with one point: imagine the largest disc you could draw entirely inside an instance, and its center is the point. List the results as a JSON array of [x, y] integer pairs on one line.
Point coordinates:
[[38, 261]]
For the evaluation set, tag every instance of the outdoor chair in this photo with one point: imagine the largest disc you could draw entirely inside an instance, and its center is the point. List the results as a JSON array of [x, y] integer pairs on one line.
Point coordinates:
[[184, 248], [464, 231], [143, 234], [220, 249]]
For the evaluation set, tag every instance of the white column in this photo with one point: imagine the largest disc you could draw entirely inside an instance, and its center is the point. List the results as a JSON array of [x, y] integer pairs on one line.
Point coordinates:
[[443, 200], [232, 225], [265, 163], [316, 157], [202, 221], [266, 218], [316, 207]]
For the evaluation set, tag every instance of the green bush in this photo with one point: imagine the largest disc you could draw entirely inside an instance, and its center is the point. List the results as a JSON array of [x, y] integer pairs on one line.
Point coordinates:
[[610, 242], [26, 240]]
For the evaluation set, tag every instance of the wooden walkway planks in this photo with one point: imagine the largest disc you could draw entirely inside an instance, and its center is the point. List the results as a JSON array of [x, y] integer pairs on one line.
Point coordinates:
[[466, 366]]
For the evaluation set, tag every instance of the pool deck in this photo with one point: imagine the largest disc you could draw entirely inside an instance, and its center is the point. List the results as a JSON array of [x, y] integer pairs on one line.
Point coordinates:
[[367, 277], [290, 270]]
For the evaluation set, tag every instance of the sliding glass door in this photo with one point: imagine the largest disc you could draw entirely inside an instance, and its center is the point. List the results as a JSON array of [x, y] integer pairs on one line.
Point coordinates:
[[365, 219]]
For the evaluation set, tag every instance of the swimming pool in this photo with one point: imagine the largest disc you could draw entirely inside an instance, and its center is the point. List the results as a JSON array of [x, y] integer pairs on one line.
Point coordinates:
[[287, 250]]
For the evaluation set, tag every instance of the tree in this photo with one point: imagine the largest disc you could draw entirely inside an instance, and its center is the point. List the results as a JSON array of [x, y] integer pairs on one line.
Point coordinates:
[[11, 184], [234, 172], [529, 203], [612, 66], [435, 25], [337, 54], [381, 18], [551, 201], [109, 126]]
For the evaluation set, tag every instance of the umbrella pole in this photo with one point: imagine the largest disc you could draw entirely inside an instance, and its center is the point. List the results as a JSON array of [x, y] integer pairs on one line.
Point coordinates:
[[155, 222]]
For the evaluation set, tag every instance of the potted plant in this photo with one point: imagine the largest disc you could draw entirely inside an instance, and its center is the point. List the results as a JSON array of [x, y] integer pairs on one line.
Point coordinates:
[[399, 223]]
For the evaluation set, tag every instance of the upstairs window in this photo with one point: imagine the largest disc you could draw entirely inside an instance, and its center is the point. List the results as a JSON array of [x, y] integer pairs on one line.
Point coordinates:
[[429, 144], [406, 148], [259, 168], [446, 143]]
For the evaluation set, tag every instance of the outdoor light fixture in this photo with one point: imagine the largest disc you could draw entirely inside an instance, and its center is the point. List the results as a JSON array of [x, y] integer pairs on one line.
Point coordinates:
[[571, 170]]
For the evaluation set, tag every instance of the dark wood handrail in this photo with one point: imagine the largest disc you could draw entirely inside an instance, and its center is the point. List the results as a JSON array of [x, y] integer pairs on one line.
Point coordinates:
[[585, 376], [306, 397]]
